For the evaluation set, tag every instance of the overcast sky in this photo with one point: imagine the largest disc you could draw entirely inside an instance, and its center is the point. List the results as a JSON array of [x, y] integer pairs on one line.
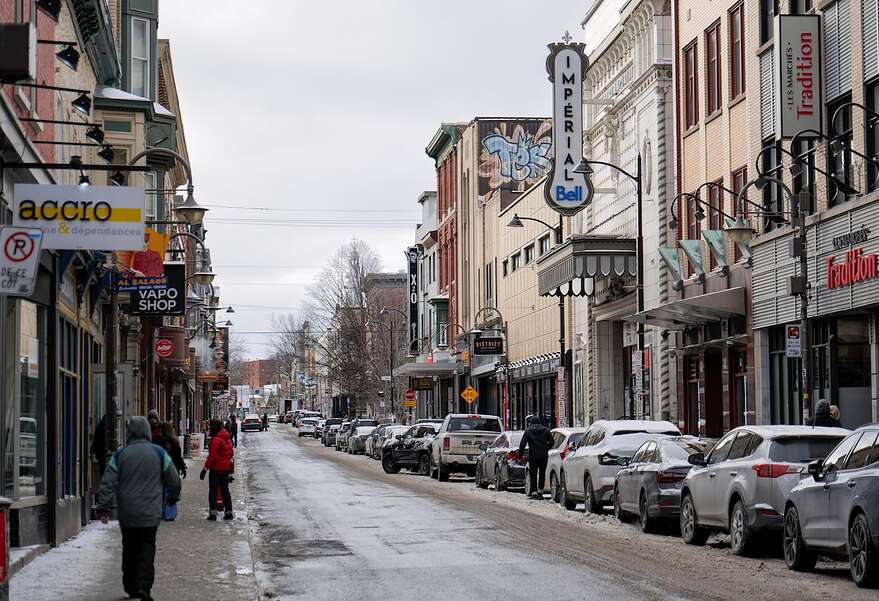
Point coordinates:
[[320, 111]]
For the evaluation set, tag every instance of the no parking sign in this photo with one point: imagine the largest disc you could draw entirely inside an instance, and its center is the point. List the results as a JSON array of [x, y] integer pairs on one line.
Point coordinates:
[[19, 259]]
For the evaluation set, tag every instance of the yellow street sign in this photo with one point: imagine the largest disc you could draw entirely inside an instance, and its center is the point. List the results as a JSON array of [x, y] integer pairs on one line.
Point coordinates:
[[408, 403], [469, 394]]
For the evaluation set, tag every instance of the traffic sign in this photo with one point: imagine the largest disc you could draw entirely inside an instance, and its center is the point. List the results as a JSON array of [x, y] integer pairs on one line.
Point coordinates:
[[164, 347], [469, 394], [794, 343], [410, 395], [408, 403], [19, 259]]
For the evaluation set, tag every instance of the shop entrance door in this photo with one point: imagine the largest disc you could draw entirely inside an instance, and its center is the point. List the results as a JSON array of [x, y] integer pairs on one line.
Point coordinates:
[[713, 395]]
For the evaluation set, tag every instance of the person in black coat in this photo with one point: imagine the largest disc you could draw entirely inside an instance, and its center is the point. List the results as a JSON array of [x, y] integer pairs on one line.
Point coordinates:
[[822, 415], [99, 444], [539, 441]]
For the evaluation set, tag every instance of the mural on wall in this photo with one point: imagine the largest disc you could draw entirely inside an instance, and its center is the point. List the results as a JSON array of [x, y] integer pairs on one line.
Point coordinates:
[[517, 152]]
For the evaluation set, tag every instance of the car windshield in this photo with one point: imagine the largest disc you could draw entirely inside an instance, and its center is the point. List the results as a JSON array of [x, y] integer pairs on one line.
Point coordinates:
[[367, 422], [802, 449], [478, 424], [681, 449], [515, 438], [309, 422]]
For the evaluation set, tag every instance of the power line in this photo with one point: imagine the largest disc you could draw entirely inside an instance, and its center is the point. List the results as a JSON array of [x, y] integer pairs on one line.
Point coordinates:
[[320, 224], [307, 210]]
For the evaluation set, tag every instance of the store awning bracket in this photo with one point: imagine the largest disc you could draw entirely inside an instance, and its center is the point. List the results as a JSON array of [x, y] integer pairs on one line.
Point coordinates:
[[672, 260], [693, 250], [716, 241]]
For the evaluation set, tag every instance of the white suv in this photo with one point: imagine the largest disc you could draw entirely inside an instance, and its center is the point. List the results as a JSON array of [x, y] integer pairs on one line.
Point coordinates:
[[588, 474]]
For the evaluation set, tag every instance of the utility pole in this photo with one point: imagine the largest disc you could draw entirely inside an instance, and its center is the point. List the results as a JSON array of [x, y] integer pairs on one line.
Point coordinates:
[[110, 367]]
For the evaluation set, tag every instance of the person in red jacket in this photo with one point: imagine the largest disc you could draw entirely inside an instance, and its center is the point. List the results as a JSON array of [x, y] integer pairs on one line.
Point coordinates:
[[219, 463]]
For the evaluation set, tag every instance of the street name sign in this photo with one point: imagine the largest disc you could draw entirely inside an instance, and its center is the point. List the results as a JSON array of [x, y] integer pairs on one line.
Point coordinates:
[[19, 259]]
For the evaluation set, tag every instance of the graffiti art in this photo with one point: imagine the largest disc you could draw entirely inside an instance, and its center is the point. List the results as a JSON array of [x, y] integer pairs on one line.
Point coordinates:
[[522, 156]]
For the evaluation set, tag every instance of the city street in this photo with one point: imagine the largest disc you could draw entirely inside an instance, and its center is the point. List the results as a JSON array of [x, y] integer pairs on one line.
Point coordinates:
[[328, 525]]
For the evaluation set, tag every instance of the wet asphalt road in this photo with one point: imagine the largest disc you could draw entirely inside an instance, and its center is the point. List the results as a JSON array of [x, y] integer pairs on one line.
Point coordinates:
[[323, 531]]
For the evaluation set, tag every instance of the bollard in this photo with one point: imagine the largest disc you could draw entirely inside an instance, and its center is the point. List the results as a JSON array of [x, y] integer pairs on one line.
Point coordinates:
[[4, 548]]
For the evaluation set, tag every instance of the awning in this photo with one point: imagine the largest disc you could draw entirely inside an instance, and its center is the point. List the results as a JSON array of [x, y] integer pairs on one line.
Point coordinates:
[[569, 269], [694, 311], [437, 368]]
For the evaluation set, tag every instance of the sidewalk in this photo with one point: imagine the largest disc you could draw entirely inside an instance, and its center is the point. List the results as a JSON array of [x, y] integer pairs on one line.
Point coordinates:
[[195, 558]]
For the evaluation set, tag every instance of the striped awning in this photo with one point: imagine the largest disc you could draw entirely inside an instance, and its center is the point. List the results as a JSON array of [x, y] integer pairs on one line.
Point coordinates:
[[571, 268]]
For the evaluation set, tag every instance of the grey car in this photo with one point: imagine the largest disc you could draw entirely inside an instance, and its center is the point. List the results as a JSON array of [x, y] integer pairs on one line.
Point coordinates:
[[834, 510], [357, 439], [500, 463], [649, 485], [743, 485]]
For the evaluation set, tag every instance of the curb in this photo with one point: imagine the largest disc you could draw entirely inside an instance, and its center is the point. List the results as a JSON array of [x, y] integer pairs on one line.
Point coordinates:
[[24, 556]]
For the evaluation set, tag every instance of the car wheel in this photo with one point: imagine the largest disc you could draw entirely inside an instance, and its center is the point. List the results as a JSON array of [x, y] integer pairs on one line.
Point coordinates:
[[796, 555], [592, 506], [566, 502], [442, 473], [644, 520], [861, 553], [434, 471], [424, 465], [389, 465], [618, 512], [690, 530], [498, 483], [479, 481], [554, 487], [740, 537]]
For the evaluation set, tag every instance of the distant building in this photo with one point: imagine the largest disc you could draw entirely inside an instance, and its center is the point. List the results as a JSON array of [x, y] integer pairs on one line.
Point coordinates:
[[261, 372]]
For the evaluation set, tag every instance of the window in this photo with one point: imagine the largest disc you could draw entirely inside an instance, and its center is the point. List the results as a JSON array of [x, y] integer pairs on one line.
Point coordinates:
[[738, 180], [489, 285], [712, 69], [800, 7], [861, 452], [740, 446], [694, 226], [715, 217], [771, 164], [543, 245], [638, 457], [505, 266], [515, 261], [152, 196], [720, 452], [140, 57], [529, 253], [736, 51], [32, 403], [871, 97], [768, 10], [839, 157], [691, 87], [803, 169], [836, 459]]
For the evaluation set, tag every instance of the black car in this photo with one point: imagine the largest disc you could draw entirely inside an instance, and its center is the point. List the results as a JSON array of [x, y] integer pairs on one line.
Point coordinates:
[[410, 450], [500, 463], [331, 421]]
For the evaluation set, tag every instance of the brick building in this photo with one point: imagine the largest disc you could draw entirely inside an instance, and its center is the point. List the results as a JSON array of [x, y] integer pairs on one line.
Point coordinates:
[[261, 372]]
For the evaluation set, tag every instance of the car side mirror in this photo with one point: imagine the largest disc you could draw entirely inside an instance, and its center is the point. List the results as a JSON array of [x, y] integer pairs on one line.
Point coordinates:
[[815, 470], [697, 459], [623, 461], [483, 446]]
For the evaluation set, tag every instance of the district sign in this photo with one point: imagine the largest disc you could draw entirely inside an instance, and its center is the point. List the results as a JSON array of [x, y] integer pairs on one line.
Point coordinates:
[[82, 217]]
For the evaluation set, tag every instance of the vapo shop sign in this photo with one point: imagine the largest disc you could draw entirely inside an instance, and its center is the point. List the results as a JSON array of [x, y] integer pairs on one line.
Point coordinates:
[[855, 267], [412, 255], [82, 217], [565, 191], [156, 295], [798, 75]]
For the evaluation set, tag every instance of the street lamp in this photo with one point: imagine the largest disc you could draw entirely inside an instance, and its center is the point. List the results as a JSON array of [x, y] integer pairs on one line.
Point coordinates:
[[585, 168]]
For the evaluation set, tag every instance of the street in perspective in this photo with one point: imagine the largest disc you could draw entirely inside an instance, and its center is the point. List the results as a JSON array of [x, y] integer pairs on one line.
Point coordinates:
[[502, 299]]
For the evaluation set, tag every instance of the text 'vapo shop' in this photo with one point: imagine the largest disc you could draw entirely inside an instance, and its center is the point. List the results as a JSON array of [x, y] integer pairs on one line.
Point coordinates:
[[843, 279]]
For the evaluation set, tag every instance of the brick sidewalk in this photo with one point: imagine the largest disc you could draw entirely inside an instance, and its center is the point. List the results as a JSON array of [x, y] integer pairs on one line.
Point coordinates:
[[195, 558]]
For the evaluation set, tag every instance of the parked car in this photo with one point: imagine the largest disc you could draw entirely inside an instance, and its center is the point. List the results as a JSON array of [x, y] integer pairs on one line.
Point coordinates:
[[307, 426], [649, 485], [357, 440], [500, 463], [429, 420], [273, 417], [456, 446], [342, 436], [742, 486], [410, 450], [288, 417], [565, 440], [329, 438], [384, 435], [377, 433], [834, 511], [251, 422], [306, 415], [588, 474], [329, 423], [318, 430]]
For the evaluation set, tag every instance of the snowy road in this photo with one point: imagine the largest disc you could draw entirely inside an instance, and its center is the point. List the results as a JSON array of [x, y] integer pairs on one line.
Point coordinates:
[[332, 526]]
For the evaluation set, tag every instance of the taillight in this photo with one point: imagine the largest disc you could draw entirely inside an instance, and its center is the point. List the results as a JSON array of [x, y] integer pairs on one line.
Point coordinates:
[[773, 470], [669, 477], [447, 443], [514, 456]]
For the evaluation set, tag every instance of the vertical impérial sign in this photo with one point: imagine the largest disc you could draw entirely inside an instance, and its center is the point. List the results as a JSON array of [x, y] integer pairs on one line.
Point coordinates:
[[412, 255], [565, 191], [798, 83]]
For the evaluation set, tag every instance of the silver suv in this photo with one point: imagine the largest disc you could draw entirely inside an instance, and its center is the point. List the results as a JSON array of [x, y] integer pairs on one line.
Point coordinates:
[[833, 511], [743, 484]]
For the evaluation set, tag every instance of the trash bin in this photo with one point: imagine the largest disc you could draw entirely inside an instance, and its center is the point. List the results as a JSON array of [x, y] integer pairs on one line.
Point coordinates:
[[4, 548]]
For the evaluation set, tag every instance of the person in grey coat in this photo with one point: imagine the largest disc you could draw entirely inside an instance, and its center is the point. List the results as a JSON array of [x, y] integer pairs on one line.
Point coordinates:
[[136, 476]]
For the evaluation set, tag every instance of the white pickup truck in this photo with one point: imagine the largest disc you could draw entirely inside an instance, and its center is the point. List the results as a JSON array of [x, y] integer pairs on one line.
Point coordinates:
[[456, 446]]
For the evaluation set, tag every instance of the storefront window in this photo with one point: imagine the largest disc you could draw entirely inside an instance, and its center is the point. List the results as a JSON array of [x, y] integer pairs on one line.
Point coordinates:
[[853, 352], [783, 380], [32, 402], [9, 365]]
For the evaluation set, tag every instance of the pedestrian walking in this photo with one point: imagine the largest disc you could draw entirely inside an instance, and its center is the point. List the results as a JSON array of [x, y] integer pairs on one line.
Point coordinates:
[[136, 477], [220, 464], [834, 415], [265, 421], [538, 439], [822, 415], [155, 424], [165, 437], [232, 428], [99, 445]]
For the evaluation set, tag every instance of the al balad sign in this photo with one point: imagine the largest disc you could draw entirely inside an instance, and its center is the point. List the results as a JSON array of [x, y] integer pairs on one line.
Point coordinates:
[[163, 294], [82, 217]]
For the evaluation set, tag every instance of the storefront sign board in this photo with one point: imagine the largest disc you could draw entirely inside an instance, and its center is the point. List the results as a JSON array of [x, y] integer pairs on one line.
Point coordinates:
[[798, 85]]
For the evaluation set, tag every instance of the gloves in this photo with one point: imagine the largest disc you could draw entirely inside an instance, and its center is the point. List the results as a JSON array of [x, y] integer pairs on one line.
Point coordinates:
[[203, 474], [183, 473]]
